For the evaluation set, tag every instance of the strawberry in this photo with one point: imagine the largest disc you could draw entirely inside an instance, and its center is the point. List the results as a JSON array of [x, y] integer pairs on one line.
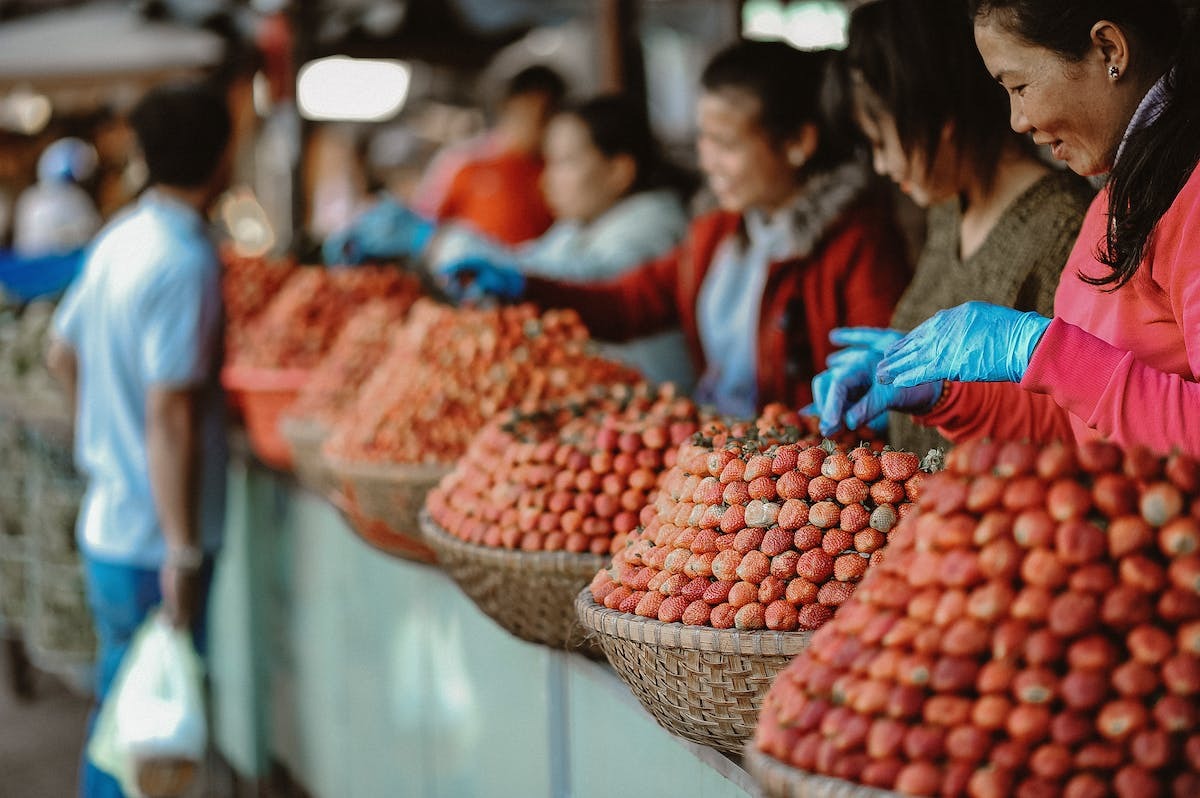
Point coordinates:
[[1119, 719], [613, 600], [1176, 713], [722, 616], [695, 588], [1043, 647], [1177, 605], [1041, 567], [1032, 604], [1143, 573], [672, 609], [960, 568], [762, 488], [1051, 761], [833, 594], [1028, 723], [801, 591], [781, 616], [881, 773], [1055, 461], [631, 603], [1114, 495], [1066, 499], [1001, 559], [754, 567], [705, 542], [849, 568], [809, 461], [1035, 686], [1078, 542], [776, 541], [991, 712], [822, 489], [748, 540], [807, 537], [716, 462], [1096, 577], [1133, 679], [751, 616], [869, 540], [1024, 493], [919, 778], [649, 605], [760, 465], [1099, 756], [898, 466], [733, 471], [1073, 614], [990, 601], [887, 491], [883, 518], [770, 589], [1183, 472], [1098, 457], [792, 485], [1185, 573], [1034, 528], [696, 614], [854, 518], [835, 541], [995, 676], [824, 514], [1072, 728], [1128, 534], [1179, 537], [783, 565], [1133, 781], [743, 593], [924, 742], [906, 701], [985, 493], [1181, 674], [1150, 645], [1151, 748], [1125, 607], [736, 493], [947, 711], [1160, 503], [761, 514]]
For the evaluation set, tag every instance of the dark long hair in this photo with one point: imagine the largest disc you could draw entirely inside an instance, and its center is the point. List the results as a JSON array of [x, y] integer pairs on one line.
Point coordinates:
[[794, 88], [918, 57], [618, 125], [1158, 159]]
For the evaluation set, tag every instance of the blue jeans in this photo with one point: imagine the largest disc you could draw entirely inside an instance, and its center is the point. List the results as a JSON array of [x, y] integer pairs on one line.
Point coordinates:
[[121, 597]]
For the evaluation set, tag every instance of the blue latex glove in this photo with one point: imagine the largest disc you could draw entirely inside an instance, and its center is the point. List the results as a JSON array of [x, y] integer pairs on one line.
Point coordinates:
[[386, 230], [472, 278], [849, 373], [879, 399], [974, 342]]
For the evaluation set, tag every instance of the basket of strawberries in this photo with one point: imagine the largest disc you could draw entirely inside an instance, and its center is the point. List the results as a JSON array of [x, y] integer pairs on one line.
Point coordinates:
[[541, 500], [757, 535], [1033, 630], [446, 374]]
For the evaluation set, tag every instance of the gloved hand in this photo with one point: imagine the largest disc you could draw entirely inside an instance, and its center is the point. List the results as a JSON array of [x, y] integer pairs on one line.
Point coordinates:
[[879, 399], [386, 230], [974, 342], [849, 373], [471, 279]]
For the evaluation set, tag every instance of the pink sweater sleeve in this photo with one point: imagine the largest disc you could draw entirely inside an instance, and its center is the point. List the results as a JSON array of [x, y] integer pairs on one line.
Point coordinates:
[[1001, 410], [1121, 398]]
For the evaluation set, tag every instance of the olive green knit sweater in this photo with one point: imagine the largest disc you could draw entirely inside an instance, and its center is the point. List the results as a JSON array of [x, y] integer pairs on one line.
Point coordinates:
[[1018, 265]]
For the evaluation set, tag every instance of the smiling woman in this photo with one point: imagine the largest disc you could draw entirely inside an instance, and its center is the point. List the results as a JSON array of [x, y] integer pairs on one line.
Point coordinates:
[[1109, 86]]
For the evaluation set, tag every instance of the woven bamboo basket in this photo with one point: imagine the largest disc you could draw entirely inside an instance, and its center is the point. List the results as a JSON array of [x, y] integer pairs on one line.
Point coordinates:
[[529, 593], [393, 493], [703, 684], [305, 437], [779, 780], [378, 534]]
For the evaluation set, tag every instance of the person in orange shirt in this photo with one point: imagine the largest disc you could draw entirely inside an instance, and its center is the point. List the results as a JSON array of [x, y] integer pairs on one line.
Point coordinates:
[[496, 190]]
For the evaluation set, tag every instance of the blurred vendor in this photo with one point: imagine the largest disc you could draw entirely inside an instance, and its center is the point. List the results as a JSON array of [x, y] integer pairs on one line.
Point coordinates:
[[55, 215]]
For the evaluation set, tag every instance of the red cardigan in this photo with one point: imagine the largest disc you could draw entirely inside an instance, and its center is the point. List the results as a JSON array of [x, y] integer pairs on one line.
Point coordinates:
[[853, 277]]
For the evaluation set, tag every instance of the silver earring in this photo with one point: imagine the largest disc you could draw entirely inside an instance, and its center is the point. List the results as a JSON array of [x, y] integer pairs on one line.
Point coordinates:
[[1113, 72]]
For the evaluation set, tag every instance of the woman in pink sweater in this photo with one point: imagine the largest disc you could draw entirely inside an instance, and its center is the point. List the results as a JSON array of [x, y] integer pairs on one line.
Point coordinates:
[[1109, 88]]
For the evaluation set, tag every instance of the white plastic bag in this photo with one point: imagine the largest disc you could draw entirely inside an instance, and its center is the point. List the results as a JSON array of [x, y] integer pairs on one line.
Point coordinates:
[[153, 716]]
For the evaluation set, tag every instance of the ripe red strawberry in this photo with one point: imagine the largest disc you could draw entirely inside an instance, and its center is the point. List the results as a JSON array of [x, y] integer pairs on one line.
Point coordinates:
[[810, 460], [1072, 728], [807, 537], [1128, 534], [705, 542], [1099, 756], [1035, 686], [814, 616], [919, 778], [869, 540], [854, 518], [1151, 748], [1114, 495], [1120, 719], [1043, 647], [718, 592], [754, 567], [1126, 606], [837, 467], [1024, 493], [834, 593], [1096, 577], [695, 588], [1055, 461], [1051, 761], [748, 539], [1034, 528], [630, 603], [1067, 499], [736, 493], [1133, 679], [1181, 674], [991, 711], [1000, 559], [1032, 604], [898, 466], [785, 459], [771, 589], [733, 471], [722, 616], [743, 593], [760, 465], [801, 591], [650, 604], [751, 616], [762, 488], [995, 676], [783, 565], [821, 489], [1185, 573], [1073, 614], [793, 514], [824, 514], [716, 462], [887, 491], [849, 567], [835, 541], [697, 613], [781, 616], [776, 541], [792, 485], [1029, 723], [1143, 573], [1184, 473], [1098, 457], [1176, 713], [613, 600], [1041, 567], [1179, 537]]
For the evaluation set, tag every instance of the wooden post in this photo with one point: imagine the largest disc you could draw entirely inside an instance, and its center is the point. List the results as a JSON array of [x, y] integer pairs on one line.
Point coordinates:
[[621, 64]]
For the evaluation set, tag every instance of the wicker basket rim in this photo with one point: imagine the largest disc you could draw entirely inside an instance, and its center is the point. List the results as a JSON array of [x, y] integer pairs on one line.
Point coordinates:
[[370, 469], [512, 559], [302, 428], [780, 778], [627, 626], [241, 376]]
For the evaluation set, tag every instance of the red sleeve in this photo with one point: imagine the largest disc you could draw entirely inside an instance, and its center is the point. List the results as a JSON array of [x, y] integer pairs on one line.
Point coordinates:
[[637, 303], [1002, 410]]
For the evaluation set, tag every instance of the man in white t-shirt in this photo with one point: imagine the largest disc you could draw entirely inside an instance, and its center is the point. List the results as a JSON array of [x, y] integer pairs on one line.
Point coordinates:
[[137, 343]]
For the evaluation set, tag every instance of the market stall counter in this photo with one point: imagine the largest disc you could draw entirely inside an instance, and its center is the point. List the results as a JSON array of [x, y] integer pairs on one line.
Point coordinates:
[[367, 675]]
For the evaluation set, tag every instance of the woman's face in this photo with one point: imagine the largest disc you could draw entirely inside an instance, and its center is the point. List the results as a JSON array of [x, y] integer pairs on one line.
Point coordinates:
[[924, 183], [744, 167], [1074, 108], [579, 181]]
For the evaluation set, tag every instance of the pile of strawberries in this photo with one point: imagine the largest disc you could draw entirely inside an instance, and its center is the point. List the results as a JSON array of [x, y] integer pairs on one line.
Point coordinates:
[[450, 370], [247, 285], [572, 476], [301, 323], [762, 528], [1034, 630], [362, 343]]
